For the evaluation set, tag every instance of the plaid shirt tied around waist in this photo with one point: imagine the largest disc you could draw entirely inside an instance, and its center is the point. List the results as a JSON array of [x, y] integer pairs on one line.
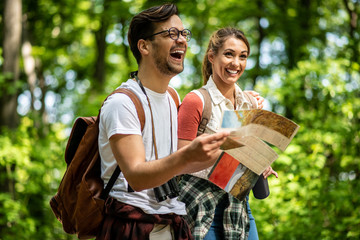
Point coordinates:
[[201, 198], [126, 222]]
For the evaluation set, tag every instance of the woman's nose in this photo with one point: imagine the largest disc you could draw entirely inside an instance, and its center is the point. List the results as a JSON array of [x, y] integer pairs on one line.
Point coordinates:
[[235, 62]]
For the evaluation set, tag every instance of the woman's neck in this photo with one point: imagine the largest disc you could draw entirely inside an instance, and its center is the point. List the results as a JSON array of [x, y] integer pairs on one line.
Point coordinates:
[[227, 90]]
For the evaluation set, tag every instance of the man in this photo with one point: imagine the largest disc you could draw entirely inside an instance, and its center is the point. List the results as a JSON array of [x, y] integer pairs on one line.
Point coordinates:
[[147, 158]]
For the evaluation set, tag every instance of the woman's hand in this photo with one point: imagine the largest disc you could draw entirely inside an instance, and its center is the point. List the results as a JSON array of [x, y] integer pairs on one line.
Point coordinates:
[[270, 171], [259, 99]]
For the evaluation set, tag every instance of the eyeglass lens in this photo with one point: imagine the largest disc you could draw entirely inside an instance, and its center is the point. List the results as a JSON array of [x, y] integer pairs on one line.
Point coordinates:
[[174, 33]]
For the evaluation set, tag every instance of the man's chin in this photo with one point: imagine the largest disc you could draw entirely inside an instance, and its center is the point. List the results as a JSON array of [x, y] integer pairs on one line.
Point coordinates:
[[174, 70], [177, 68], [171, 69]]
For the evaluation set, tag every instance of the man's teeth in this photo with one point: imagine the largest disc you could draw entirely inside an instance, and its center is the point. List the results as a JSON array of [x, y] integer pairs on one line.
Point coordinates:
[[179, 52]]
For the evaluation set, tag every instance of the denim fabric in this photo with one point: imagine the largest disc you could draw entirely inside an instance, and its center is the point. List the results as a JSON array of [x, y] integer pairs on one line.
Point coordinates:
[[216, 231], [253, 234]]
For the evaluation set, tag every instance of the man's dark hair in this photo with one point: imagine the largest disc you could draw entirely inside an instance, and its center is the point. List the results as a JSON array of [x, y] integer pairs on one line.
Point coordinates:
[[142, 25]]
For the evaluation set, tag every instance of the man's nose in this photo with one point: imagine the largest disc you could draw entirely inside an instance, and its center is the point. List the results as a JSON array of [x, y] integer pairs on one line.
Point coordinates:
[[181, 38]]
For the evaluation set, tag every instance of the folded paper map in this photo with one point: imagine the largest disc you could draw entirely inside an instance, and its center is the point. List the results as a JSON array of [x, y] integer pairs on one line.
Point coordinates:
[[224, 174], [251, 133], [268, 126]]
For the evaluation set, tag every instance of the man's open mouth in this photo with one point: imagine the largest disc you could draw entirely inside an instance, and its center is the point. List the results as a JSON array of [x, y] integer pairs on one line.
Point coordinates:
[[177, 54]]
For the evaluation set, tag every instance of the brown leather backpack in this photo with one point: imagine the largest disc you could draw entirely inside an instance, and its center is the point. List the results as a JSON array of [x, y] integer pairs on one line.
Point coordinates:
[[80, 199]]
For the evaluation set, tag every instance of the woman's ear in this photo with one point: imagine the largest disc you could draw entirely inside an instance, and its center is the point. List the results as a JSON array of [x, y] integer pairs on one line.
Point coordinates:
[[210, 56], [143, 47]]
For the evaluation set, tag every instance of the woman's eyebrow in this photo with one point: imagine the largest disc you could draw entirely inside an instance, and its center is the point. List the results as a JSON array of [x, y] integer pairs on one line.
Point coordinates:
[[230, 49]]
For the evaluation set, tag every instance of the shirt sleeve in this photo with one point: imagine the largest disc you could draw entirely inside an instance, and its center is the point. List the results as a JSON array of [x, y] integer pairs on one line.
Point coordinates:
[[189, 116], [119, 116]]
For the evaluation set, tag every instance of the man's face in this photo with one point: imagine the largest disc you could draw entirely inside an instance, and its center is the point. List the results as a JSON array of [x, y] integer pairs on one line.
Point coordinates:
[[169, 54]]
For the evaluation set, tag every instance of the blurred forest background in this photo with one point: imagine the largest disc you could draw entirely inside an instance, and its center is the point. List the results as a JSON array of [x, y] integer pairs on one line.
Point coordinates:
[[59, 60]]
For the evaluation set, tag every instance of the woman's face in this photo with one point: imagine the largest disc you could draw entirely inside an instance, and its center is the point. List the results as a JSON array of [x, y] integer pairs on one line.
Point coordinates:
[[230, 62]]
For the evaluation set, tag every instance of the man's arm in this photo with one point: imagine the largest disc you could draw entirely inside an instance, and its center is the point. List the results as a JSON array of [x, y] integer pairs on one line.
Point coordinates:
[[129, 153]]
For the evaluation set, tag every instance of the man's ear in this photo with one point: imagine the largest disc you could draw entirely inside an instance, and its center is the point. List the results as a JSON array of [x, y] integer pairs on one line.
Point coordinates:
[[210, 56], [143, 47]]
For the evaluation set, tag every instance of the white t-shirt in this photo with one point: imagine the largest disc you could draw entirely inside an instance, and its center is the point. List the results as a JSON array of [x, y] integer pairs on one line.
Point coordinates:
[[118, 116]]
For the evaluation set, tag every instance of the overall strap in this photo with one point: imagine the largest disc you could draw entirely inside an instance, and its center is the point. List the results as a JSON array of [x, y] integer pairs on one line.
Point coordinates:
[[206, 114]]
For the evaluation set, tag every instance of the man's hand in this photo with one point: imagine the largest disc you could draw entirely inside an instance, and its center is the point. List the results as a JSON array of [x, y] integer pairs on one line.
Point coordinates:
[[205, 146], [203, 151]]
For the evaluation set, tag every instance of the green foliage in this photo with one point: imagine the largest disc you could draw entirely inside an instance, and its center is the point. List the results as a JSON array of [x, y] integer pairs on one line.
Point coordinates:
[[319, 171], [6, 87], [304, 60], [31, 170]]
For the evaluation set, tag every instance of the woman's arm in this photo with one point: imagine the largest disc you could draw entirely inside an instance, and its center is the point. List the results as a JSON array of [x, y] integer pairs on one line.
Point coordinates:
[[189, 117]]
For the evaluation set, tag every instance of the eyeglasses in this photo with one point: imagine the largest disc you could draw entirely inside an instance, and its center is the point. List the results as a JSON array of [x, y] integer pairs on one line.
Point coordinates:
[[174, 33]]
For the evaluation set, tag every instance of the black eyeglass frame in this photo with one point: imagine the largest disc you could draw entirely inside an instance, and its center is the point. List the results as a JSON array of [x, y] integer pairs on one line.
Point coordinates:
[[187, 37]]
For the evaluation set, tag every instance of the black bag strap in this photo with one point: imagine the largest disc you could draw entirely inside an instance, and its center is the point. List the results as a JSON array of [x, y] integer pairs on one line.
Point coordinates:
[[114, 176]]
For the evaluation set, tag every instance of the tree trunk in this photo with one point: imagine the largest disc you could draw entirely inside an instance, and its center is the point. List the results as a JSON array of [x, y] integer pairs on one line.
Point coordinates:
[[100, 37], [260, 29], [11, 53], [29, 67], [8, 92], [352, 10]]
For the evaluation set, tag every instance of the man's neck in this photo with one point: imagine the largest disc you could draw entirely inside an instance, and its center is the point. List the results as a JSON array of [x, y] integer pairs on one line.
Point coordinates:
[[153, 79]]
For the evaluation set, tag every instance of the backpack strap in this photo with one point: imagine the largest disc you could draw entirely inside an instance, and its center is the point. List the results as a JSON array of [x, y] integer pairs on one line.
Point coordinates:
[[134, 98], [141, 115], [173, 94], [206, 114]]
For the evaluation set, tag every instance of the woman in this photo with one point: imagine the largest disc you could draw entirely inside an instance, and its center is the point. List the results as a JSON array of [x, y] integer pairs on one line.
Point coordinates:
[[213, 213]]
